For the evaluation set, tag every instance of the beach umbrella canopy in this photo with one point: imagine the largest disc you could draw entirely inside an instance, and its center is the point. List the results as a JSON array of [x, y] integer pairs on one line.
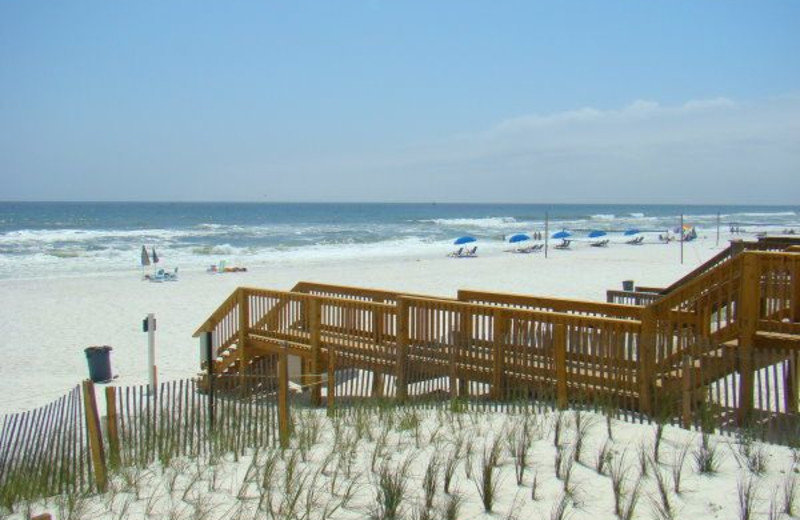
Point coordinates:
[[562, 234], [519, 237], [145, 257], [597, 233], [465, 240], [632, 231], [155, 256]]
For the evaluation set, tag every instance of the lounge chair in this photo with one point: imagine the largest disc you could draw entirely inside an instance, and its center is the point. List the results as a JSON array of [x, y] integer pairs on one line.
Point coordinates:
[[456, 253], [537, 248], [470, 252], [600, 243], [564, 244], [635, 241]]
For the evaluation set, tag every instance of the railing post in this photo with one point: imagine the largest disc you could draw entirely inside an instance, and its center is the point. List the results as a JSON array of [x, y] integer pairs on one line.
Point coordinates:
[[686, 412], [647, 355], [211, 356], [378, 323], [315, 314], [331, 383], [111, 427], [402, 350], [794, 304], [748, 313], [244, 325], [94, 436], [560, 359], [792, 382], [283, 397], [500, 322], [464, 340]]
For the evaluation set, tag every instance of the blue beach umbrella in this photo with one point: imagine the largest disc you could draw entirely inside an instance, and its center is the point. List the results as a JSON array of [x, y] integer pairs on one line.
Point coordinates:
[[465, 240], [519, 237], [562, 234], [597, 234], [632, 231]]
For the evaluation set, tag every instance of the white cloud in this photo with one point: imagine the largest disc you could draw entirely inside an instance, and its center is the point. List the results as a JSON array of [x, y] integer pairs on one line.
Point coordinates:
[[701, 151]]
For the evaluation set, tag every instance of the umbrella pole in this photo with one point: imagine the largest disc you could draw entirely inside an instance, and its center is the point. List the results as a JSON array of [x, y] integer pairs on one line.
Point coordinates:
[[546, 231]]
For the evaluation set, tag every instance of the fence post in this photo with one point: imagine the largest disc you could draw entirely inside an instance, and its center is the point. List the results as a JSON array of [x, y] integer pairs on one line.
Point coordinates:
[[647, 354], [94, 436], [283, 398], [402, 349], [244, 325], [315, 312], [500, 322], [464, 340], [210, 366], [748, 312], [794, 304], [111, 427], [331, 403], [560, 358], [686, 412]]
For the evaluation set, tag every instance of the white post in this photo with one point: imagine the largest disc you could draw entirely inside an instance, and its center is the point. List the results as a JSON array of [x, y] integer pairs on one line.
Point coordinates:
[[151, 352]]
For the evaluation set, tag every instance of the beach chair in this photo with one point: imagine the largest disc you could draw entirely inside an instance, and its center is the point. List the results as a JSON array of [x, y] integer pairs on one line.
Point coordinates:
[[635, 241], [471, 252], [564, 244], [456, 253], [537, 248], [600, 243]]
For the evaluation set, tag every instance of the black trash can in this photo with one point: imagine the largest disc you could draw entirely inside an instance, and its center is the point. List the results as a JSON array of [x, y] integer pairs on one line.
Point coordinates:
[[627, 285], [99, 360]]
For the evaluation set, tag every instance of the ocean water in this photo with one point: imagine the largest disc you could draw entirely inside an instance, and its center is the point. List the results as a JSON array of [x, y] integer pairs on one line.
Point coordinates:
[[50, 239]]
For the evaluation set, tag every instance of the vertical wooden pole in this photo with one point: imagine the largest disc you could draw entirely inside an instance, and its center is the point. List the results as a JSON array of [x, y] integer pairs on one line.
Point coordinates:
[[560, 358], [330, 400], [377, 384], [464, 343], [647, 356], [500, 321], [283, 397], [748, 311], [794, 303], [377, 322], [791, 383], [244, 325], [315, 314], [95, 438], [686, 412], [209, 345], [112, 427], [402, 349]]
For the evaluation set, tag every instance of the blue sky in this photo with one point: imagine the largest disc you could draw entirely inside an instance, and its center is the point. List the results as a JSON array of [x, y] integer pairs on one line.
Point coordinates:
[[612, 101]]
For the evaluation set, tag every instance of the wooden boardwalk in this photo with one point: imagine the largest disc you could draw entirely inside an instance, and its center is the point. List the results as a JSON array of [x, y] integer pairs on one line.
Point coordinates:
[[727, 337]]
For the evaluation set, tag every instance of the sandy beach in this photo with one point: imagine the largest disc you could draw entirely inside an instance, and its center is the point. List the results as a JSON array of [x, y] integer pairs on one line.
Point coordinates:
[[47, 323]]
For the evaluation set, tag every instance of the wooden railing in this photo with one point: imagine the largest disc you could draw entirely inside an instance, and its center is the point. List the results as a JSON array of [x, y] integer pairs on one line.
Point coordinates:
[[631, 298], [717, 325]]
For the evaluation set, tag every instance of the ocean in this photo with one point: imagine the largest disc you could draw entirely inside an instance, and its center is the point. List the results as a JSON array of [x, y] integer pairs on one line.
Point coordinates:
[[53, 239]]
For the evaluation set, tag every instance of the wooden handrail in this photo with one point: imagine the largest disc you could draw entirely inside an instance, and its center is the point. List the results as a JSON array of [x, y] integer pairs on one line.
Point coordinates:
[[556, 304]]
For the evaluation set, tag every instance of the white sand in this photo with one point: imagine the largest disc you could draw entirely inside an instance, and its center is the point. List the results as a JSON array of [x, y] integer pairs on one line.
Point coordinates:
[[46, 324]]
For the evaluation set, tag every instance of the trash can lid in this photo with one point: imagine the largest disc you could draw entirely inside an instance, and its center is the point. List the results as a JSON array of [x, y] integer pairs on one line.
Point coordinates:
[[99, 348]]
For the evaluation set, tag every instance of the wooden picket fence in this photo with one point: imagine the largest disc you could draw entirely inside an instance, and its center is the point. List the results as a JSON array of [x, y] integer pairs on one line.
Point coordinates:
[[69, 446], [45, 451]]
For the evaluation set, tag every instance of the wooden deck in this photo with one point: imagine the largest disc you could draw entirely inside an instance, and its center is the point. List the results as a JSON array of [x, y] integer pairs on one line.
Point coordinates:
[[735, 324]]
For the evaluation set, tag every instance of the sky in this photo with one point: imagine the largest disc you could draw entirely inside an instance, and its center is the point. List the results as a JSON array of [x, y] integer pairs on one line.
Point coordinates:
[[694, 101]]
